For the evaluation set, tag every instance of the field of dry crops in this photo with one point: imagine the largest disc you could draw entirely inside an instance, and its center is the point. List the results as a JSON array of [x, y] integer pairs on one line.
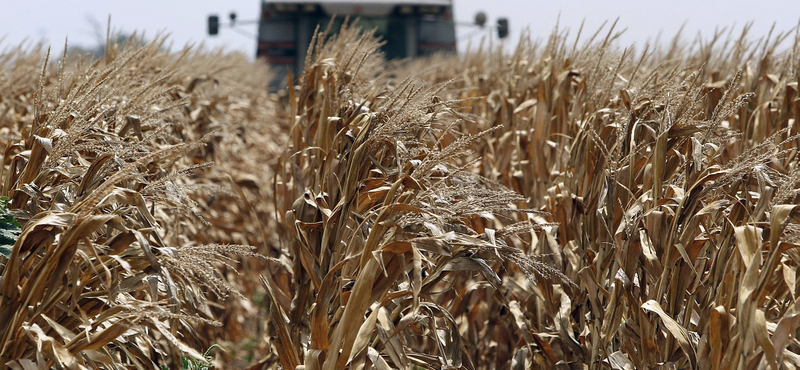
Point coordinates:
[[570, 204]]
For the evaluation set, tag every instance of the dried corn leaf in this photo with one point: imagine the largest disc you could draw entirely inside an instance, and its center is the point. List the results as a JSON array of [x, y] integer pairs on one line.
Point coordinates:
[[678, 332]]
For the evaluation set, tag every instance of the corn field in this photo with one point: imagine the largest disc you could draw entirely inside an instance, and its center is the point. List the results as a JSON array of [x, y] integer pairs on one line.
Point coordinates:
[[565, 204]]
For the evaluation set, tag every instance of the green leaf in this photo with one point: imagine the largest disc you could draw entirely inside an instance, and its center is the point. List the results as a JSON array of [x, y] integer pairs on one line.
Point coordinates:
[[9, 229]]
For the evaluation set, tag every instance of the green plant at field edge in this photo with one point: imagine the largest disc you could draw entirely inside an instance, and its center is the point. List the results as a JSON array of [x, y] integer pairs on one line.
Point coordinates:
[[196, 364], [9, 229]]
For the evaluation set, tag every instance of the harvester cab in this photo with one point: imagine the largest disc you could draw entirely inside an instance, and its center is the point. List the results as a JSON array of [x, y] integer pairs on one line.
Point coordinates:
[[410, 28]]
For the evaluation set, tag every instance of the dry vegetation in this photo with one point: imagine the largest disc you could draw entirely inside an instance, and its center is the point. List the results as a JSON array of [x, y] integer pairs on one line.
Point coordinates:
[[567, 205]]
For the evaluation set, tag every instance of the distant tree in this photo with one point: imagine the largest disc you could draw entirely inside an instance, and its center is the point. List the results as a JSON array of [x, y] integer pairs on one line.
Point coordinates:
[[102, 34], [99, 49]]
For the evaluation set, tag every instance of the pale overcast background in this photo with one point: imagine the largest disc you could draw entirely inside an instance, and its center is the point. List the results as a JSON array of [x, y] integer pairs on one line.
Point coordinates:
[[84, 21]]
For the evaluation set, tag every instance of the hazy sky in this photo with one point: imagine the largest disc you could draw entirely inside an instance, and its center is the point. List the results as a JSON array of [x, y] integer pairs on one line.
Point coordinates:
[[84, 21]]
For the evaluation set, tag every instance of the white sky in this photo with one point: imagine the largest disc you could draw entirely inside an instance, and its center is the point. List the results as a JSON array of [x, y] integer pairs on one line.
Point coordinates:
[[52, 21]]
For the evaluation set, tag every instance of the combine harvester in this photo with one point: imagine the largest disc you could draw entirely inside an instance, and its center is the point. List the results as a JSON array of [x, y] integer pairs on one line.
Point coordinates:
[[410, 28]]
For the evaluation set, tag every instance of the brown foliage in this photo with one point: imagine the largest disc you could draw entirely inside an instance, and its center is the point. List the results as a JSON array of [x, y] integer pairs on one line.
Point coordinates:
[[107, 271], [568, 205]]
